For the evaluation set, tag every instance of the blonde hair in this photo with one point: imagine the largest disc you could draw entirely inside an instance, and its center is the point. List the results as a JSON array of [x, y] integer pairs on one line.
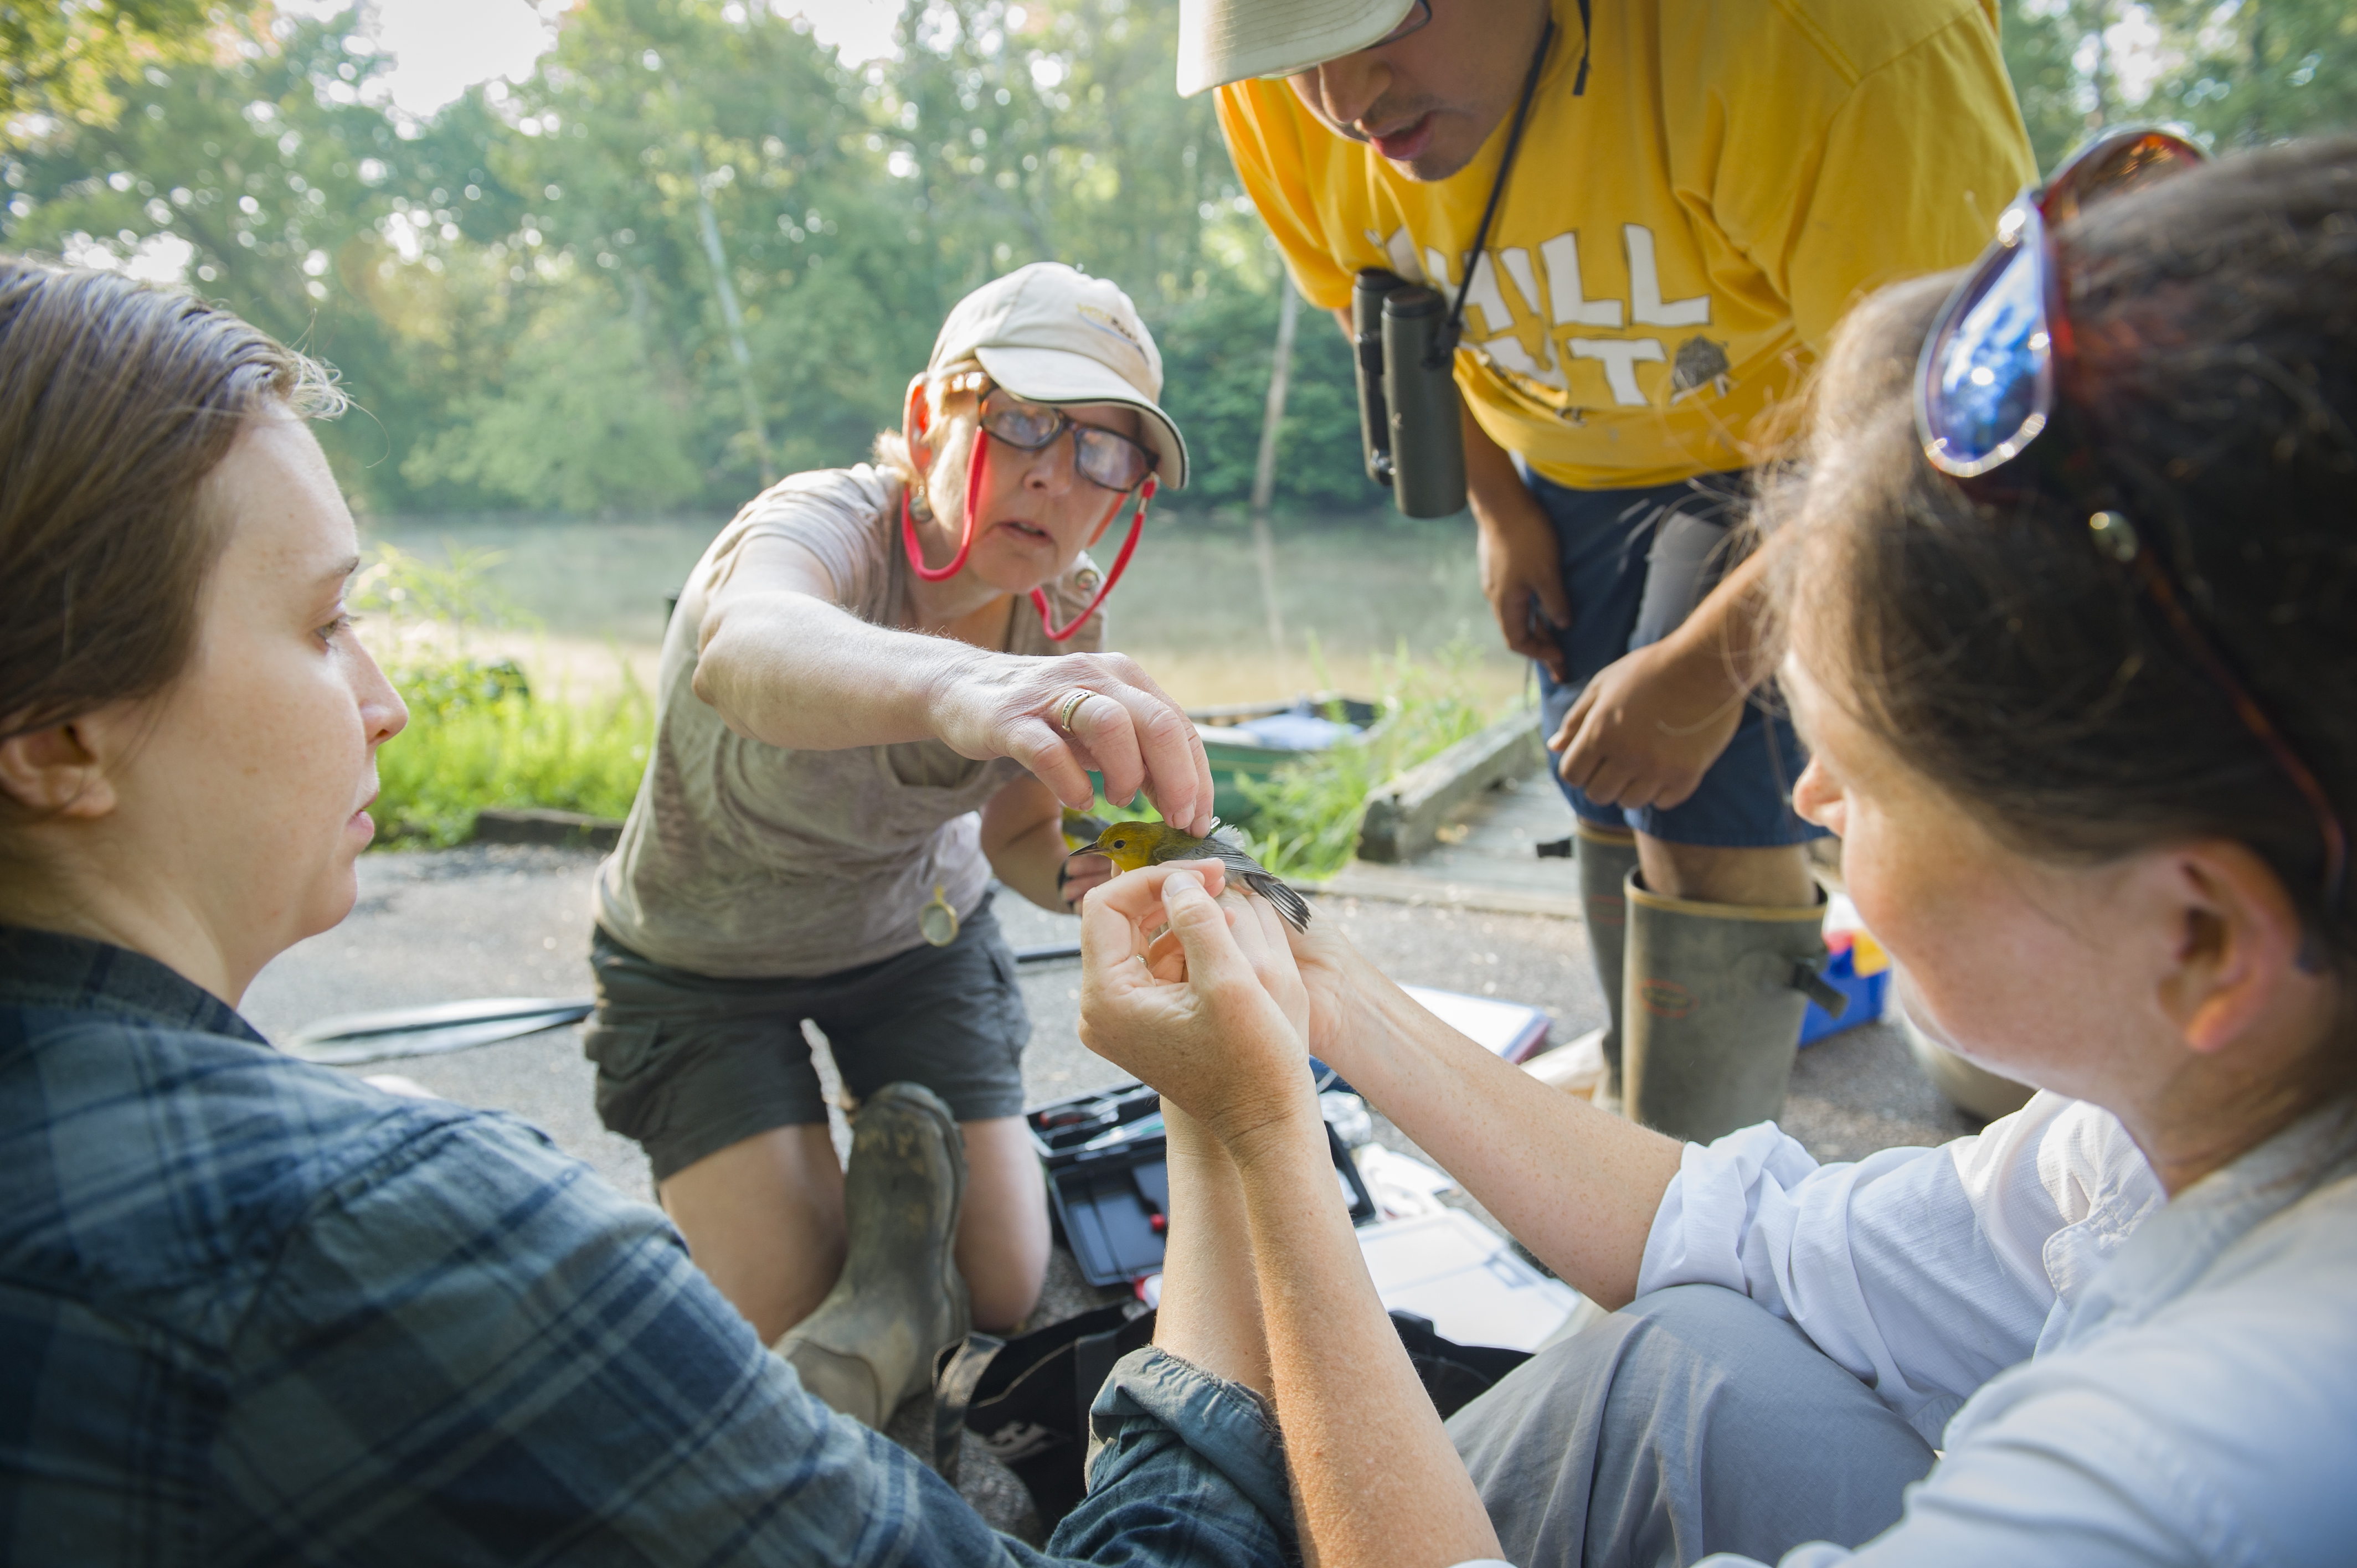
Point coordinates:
[[949, 436]]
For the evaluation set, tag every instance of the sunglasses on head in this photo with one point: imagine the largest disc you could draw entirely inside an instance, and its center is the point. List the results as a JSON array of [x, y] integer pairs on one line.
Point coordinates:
[[1986, 390]]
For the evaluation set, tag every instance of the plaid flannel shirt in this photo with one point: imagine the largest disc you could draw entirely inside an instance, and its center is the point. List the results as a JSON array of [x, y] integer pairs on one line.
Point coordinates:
[[254, 1311]]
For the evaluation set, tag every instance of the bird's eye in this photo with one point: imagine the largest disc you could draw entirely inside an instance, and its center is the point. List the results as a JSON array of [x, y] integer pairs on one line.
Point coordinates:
[[1121, 843]]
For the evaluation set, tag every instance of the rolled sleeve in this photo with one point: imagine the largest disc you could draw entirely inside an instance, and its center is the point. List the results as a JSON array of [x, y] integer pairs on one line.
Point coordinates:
[[1153, 1397]]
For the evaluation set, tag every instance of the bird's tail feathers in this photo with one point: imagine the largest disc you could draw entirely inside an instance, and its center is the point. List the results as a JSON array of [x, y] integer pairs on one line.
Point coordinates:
[[1289, 904]]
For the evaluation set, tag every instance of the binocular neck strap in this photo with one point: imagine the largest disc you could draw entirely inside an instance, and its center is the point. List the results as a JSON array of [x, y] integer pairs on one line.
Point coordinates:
[[1120, 564], [965, 539], [1447, 343]]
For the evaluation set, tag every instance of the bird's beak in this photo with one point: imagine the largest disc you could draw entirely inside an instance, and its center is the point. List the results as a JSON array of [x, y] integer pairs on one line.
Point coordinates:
[[1084, 849]]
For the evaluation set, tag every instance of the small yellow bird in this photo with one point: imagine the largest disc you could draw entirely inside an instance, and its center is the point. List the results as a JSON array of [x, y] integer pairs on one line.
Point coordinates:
[[1130, 845]]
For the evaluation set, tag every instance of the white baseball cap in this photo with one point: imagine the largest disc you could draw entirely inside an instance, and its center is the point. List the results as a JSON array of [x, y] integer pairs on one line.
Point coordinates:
[[1222, 41], [1053, 335]]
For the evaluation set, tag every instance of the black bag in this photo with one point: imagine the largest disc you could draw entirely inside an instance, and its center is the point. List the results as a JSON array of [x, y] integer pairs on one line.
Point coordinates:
[[1027, 1399]]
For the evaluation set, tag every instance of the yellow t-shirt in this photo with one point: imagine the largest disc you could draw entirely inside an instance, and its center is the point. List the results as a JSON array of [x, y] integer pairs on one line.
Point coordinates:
[[1675, 242]]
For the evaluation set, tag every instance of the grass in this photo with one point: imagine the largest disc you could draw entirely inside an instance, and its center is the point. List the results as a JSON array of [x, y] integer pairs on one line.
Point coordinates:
[[1306, 822], [478, 737], [513, 749]]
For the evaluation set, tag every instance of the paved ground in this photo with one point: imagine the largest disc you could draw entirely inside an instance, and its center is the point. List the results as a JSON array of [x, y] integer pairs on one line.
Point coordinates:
[[511, 921], [1487, 857], [514, 920]]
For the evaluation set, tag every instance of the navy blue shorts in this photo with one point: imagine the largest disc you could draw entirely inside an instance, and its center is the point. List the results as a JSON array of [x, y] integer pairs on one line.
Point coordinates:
[[1635, 563]]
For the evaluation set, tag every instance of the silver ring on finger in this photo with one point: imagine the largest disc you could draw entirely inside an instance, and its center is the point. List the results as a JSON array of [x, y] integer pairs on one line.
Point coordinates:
[[1070, 706]]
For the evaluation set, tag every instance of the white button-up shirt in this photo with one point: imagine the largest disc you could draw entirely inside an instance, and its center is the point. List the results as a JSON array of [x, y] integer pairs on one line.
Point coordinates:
[[2116, 1378]]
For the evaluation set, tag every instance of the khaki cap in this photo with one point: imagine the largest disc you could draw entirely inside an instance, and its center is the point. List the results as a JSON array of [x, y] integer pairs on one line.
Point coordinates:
[[1222, 41], [1054, 335]]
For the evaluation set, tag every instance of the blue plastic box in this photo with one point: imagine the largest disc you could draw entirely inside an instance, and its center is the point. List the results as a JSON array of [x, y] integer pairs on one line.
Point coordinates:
[[1867, 992]]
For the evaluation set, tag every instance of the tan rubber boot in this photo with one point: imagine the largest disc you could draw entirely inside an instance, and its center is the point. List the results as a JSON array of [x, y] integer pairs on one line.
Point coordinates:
[[1715, 997], [1607, 856], [872, 1342]]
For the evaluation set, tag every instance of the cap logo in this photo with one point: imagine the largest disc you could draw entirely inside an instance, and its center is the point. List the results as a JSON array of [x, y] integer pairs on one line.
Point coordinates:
[[1105, 320]]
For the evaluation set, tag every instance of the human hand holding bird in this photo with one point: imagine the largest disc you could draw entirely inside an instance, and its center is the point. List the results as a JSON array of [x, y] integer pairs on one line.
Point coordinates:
[[1131, 846]]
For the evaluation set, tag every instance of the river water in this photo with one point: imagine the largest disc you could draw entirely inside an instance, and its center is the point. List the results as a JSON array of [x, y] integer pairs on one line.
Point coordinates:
[[1190, 610]]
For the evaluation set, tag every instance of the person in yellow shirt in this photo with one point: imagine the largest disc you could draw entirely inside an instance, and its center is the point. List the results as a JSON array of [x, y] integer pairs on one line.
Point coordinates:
[[1698, 189]]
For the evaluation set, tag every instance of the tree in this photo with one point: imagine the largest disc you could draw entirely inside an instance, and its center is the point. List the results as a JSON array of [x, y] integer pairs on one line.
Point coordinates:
[[2236, 72], [61, 61]]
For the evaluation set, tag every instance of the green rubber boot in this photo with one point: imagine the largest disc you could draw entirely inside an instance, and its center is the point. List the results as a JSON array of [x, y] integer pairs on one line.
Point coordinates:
[[1607, 856], [872, 1342], [1715, 997]]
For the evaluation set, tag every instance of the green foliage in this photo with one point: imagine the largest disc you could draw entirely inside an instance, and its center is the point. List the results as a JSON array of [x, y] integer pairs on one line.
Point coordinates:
[[477, 735], [520, 295], [61, 60], [1216, 356], [2242, 75], [411, 591], [2237, 73], [515, 749], [1306, 822], [588, 419]]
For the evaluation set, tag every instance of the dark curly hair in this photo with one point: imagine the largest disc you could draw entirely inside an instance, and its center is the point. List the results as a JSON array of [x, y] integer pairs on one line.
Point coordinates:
[[1995, 649]]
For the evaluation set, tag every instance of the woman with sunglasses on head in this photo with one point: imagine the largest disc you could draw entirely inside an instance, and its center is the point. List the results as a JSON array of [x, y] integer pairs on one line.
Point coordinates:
[[879, 690], [2068, 578]]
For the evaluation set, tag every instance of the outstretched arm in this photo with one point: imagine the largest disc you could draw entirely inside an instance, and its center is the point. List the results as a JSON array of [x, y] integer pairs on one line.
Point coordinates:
[[1578, 1187], [780, 662], [1210, 1014]]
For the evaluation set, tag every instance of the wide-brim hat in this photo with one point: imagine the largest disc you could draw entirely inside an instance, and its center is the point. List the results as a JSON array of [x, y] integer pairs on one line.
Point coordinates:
[[1051, 334], [1222, 41]]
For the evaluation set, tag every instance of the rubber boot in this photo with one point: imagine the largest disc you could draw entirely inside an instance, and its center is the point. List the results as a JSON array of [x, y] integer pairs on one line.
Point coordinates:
[[872, 1342], [1607, 856], [1716, 993]]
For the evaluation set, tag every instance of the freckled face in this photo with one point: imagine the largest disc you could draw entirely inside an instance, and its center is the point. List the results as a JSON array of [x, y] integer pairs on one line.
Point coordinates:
[[254, 777], [2002, 957]]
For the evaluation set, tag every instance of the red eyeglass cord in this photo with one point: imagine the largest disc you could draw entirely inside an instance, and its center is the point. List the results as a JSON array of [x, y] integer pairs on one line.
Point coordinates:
[[965, 544]]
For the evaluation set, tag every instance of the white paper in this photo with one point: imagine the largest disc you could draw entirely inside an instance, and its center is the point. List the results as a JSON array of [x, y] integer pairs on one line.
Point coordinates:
[[1452, 1268], [1497, 1027]]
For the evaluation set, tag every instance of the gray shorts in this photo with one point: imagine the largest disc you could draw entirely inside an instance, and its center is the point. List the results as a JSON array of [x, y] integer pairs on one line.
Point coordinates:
[[688, 1064]]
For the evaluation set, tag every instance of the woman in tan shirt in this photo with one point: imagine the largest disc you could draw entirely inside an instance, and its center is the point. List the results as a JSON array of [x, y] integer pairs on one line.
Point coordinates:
[[879, 687]]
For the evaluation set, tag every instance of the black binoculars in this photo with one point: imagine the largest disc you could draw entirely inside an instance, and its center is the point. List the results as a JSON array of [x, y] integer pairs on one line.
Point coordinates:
[[1409, 417]]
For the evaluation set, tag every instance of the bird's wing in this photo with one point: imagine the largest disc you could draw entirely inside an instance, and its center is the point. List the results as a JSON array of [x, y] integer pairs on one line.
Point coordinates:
[[1289, 904], [1262, 881]]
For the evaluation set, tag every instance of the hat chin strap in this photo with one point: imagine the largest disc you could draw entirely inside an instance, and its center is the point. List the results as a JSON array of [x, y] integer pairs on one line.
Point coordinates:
[[1120, 564], [965, 537]]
